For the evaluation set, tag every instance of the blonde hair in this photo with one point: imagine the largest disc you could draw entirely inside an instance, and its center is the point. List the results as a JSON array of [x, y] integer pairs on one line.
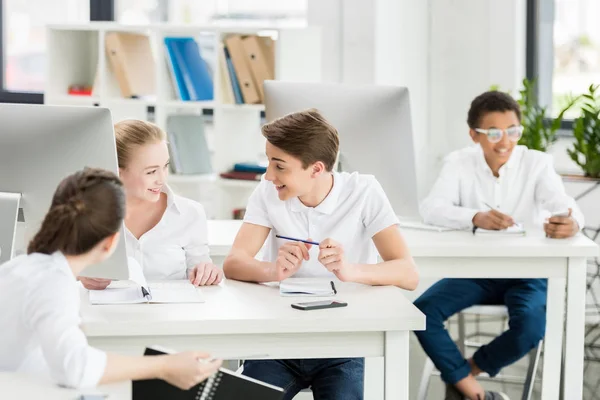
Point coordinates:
[[132, 133]]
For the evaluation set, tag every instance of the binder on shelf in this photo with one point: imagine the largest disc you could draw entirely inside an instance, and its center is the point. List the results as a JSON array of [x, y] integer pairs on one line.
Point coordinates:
[[186, 136], [237, 93], [242, 69], [224, 385], [259, 60], [225, 85], [130, 56], [193, 72]]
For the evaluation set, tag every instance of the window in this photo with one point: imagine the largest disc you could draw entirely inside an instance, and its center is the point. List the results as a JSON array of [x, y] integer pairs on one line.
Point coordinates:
[[576, 49], [563, 48]]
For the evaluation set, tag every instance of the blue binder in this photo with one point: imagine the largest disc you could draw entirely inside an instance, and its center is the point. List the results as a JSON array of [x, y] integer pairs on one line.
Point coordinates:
[[191, 71]]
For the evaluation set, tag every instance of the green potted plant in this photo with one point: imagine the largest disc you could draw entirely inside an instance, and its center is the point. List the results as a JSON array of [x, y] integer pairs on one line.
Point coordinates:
[[540, 130], [586, 130]]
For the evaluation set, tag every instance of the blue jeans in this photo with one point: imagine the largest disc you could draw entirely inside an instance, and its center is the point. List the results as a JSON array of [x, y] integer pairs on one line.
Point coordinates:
[[328, 378], [526, 303]]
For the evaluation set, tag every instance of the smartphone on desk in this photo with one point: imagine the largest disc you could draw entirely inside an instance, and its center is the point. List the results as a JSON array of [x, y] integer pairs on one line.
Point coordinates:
[[318, 305]]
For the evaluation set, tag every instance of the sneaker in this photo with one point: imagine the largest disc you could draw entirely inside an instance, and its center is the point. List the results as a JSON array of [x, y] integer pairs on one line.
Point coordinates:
[[495, 396], [452, 393]]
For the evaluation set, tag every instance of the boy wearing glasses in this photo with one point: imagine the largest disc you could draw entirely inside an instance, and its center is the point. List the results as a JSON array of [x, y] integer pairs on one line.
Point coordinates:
[[520, 185]]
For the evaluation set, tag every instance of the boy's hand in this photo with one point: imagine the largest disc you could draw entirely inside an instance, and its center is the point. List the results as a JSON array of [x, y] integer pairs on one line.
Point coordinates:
[[331, 255], [205, 274], [493, 220], [94, 283], [561, 227], [289, 259]]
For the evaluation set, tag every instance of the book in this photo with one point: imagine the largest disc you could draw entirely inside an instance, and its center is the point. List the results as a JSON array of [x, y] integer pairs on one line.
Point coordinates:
[[225, 85], [179, 291], [190, 147], [417, 225], [173, 62], [224, 385], [250, 167], [307, 287], [235, 84], [515, 230], [131, 60], [246, 176]]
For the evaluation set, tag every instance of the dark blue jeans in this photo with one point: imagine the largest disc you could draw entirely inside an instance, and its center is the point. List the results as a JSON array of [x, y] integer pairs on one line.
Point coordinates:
[[328, 378], [526, 303]]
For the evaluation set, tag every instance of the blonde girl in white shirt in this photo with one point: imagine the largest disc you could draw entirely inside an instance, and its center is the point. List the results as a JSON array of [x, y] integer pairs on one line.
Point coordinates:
[[166, 233], [39, 295]]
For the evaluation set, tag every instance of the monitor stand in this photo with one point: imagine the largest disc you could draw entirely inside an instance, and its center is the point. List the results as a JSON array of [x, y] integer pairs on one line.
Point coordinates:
[[9, 211]]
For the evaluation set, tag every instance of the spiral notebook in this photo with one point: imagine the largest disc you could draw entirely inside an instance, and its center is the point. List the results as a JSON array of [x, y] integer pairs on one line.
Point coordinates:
[[224, 385]]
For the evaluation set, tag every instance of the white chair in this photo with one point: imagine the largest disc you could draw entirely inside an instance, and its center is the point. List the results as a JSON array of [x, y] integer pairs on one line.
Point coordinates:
[[464, 342]]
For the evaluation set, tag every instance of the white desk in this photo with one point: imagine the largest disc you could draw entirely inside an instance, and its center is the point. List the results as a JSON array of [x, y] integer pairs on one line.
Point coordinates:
[[245, 320], [21, 386], [462, 255]]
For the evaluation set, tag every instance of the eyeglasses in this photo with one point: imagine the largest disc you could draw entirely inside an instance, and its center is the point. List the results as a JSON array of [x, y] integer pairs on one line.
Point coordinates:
[[494, 135]]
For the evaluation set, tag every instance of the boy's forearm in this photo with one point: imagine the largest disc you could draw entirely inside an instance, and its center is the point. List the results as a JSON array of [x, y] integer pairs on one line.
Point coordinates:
[[402, 273], [242, 267]]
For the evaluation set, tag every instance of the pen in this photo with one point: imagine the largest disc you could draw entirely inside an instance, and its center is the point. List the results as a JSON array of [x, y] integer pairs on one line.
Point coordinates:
[[296, 240], [487, 205], [333, 287]]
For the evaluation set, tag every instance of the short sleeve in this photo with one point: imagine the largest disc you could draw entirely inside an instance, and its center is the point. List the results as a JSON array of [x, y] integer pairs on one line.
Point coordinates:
[[256, 210], [378, 213]]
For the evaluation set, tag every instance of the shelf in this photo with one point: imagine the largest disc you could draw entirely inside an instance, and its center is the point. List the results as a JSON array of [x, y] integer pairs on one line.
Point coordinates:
[[212, 179], [72, 99], [256, 107], [189, 104], [124, 101]]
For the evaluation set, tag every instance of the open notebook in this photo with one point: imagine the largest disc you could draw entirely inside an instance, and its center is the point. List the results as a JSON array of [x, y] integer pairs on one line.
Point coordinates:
[[515, 230], [181, 291], [307, 287], [224, 385]]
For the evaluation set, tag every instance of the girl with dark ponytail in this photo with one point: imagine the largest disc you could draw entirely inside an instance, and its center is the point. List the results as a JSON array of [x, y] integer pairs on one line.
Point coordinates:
[[39, 297]]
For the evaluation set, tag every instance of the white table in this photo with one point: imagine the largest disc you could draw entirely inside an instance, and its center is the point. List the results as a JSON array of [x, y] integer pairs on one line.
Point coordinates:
[[14, 385], [245, 320], [462, 255]]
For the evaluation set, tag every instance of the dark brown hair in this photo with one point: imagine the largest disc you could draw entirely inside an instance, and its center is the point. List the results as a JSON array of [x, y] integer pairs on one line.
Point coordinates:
[[87, 207], [306, 135], [132, 133], [492, 101]]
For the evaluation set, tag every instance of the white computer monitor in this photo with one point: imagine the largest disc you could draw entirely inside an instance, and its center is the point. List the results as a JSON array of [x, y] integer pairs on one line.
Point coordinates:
[[375, 129], [39, 146]]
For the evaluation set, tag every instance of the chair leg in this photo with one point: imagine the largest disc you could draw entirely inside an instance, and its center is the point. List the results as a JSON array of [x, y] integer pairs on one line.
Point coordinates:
[[461, 334], [425, 379], [534, 358]]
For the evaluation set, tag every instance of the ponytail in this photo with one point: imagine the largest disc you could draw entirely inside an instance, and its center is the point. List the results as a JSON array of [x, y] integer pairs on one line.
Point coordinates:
[[87, 207]]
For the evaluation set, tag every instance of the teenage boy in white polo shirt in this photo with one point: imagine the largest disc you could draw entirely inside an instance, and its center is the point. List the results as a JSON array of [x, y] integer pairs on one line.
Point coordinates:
[[349, 214]]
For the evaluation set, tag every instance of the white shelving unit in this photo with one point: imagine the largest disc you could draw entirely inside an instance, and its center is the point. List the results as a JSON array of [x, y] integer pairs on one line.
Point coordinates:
[[76, 55]]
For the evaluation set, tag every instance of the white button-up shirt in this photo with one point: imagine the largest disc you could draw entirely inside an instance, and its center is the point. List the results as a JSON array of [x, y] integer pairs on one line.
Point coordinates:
[[354, 211], [179, 241], [39, 316], [527, 188]]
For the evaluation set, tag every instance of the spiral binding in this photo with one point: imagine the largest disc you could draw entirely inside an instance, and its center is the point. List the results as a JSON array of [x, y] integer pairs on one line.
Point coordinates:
[[209, 390]]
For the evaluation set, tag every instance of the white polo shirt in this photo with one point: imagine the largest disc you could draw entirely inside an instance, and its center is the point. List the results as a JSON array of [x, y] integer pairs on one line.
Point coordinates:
[[39, 316], [354, 211], [179, 241], [528, 189]]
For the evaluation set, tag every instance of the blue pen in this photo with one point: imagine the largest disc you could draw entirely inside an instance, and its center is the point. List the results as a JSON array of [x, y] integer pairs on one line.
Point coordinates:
[[296, 240]]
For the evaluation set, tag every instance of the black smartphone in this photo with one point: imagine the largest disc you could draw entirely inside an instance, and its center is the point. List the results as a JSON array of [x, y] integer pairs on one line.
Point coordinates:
[[317, 305]]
